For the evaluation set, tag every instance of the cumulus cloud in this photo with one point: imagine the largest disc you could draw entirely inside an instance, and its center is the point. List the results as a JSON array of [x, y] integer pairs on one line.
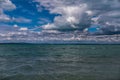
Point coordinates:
[[23, 29], [5, 5], [4, 18], [82, 14], [70, 13]]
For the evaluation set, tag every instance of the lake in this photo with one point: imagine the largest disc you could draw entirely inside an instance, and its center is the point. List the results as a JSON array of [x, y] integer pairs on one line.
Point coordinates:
[[59, 62]]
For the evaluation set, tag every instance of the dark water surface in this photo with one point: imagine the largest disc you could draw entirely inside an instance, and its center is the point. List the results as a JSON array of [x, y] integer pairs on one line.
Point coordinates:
[[59, 62]]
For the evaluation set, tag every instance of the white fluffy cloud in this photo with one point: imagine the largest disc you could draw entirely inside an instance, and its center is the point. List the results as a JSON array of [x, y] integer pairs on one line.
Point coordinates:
[[4, 17], [70, 13], [5, 5], [79, 14]]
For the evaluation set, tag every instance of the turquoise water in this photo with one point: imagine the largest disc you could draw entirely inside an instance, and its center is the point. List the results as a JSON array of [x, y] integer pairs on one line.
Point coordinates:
[[59, 62]]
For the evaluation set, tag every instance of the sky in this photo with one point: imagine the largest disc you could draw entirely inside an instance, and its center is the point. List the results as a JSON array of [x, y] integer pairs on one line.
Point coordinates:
[[91, 17], [23, 13]]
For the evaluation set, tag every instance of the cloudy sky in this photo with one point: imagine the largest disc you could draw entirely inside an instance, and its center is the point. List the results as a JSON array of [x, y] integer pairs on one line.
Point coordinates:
[[91, 16]]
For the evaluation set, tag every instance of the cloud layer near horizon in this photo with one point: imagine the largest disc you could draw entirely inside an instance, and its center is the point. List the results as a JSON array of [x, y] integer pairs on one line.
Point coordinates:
[[81, 14]]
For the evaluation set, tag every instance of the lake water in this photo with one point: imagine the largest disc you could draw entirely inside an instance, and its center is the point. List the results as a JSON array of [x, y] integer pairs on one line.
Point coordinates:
[[59, 62]]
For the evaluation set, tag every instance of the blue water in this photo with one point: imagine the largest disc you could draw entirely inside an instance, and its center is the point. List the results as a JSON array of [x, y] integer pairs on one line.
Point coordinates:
[[59, 62]]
